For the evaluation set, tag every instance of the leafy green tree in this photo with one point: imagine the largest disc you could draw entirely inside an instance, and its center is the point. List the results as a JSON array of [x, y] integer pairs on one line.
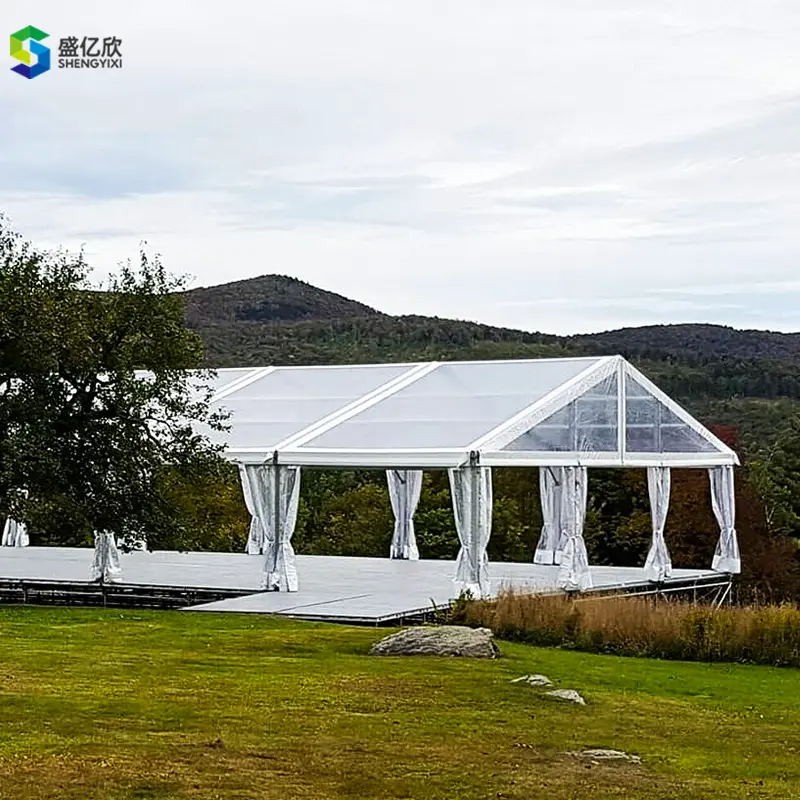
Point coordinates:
[[777, 477], [434, 524], [359, 523], [79, 429]]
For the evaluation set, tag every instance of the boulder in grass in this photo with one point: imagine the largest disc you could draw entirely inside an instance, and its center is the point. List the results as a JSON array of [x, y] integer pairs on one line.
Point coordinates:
[[568, 695], [601, 754], [447, 640], [534, 680]]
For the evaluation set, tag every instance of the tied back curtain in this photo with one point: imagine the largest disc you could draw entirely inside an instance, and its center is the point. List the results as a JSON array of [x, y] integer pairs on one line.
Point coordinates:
[[573, 573], [275, 493], [658, 565], [106, 566], [471, 491], [15, 534], [723, 501], [405, 487], [551, 483], [255, 538]]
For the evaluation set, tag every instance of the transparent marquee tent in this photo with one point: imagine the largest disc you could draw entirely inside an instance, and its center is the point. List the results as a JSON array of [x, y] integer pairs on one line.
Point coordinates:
[[562, 416]]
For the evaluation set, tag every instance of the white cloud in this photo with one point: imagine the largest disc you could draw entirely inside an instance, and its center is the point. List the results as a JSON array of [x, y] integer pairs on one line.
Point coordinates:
[[563, 166]]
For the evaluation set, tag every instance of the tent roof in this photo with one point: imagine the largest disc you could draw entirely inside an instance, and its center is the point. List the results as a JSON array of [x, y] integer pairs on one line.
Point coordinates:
[[525, 412]]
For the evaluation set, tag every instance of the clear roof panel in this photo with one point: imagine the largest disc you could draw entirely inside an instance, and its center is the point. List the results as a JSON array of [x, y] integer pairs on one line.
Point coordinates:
[[588, 424], [226, 377], [452, 406], [222, 379], [290, 399], [651, 427]]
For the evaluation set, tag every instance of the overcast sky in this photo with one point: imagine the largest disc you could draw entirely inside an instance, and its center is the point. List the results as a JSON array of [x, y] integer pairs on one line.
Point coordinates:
[[561, 166]]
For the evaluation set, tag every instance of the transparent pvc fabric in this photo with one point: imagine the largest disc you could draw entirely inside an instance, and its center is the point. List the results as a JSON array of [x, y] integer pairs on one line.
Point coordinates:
[[275, 495], [573, 572], [723, 502], [405, 487], [471, 490], [255, 536], [106, 567], [587, 424], [551, 485], [658, 565]]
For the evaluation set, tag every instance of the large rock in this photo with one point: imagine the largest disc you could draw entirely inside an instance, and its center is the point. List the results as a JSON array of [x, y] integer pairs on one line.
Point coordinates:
[[449, 640], [534, 680], [569, 695], [601, 754]]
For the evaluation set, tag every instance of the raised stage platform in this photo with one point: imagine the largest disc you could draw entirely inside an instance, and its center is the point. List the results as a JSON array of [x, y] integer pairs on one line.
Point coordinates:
[[374, 591]]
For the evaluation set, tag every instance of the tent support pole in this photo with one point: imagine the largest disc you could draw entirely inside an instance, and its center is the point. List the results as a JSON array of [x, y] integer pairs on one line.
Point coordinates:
[[276, 499], [475, 487]]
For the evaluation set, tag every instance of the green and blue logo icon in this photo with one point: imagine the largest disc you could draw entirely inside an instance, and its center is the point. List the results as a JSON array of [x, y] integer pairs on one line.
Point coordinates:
[[35, 58]]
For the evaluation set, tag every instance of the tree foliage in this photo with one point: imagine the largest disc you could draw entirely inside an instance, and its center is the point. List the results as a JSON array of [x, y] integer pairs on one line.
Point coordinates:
[[79, 429]]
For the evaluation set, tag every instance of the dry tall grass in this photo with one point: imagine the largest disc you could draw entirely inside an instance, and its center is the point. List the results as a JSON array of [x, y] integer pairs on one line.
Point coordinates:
[[638, 626]]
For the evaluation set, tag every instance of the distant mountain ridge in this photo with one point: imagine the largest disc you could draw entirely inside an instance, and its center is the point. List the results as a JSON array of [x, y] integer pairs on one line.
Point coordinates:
[[698, 341], [248, 311]]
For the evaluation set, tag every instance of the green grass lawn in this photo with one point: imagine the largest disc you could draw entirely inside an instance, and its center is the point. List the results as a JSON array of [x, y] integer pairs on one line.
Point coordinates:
[[109, 704]]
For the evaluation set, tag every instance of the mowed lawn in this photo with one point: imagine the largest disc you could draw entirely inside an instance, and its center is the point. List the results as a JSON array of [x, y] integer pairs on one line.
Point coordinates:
[[110, 704]]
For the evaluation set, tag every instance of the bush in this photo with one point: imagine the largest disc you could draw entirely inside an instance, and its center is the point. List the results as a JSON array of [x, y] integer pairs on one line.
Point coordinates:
[[645, 627]]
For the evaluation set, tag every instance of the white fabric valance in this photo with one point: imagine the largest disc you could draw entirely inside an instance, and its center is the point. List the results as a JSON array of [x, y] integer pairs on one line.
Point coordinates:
[[551, 483], [723, 501], [471, 490], [405, 487], [658, 565], [106, 566], [275, 494], [573, 573]]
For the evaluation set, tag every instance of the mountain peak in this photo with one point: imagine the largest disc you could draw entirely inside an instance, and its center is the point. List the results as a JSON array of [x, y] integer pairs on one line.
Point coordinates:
[[269, 298]]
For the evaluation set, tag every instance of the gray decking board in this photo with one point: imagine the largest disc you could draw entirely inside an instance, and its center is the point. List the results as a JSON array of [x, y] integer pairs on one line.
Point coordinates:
[[331, 587]]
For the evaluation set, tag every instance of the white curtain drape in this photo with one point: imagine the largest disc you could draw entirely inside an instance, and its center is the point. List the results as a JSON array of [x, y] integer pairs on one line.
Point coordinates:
[[723, 501], [658, 565], [105, 564], [275, 494], [471, 491], [255, 538], [573, 573], [405, 487], [551, 483], [15, 534]]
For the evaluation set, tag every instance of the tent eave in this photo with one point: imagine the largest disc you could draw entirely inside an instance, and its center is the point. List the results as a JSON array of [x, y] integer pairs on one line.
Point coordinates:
[[352, 458]]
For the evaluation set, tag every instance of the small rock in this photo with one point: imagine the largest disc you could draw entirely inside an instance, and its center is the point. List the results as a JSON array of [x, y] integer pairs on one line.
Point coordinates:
[[608, 755], [567, 694], [534, 680], [447, 640]]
